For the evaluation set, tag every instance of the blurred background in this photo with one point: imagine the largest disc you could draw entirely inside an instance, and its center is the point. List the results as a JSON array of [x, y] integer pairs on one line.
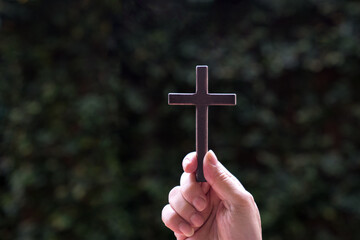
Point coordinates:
[[90, 148]]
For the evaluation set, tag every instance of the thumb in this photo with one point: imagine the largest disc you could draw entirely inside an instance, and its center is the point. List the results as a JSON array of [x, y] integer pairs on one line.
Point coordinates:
[[226, 185]]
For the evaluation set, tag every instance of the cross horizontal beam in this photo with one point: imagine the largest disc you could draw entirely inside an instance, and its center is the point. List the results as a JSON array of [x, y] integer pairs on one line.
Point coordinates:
[[199, 99]]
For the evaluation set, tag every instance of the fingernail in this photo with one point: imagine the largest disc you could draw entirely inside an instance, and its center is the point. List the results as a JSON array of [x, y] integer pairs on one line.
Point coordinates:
[[197, 220], [200, 204], [186, 229], [212, 159]]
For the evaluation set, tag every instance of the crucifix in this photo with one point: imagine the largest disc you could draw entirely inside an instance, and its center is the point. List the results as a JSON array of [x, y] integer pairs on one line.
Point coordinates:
[[202, 99]]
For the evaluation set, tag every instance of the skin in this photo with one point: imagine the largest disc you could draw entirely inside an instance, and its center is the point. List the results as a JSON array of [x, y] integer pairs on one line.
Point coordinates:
[[219, 209]]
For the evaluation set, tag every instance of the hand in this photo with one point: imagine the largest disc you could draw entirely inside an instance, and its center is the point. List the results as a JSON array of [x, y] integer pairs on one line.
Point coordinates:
[[219, 209]]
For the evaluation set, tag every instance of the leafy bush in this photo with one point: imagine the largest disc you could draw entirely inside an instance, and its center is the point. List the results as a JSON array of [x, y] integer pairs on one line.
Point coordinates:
[[90, 149]]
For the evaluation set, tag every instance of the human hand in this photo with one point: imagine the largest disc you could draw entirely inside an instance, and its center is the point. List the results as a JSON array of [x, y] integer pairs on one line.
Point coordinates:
[[219, 209]]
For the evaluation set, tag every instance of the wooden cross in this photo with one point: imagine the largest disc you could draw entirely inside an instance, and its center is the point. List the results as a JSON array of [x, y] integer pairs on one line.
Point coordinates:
[[202, 100]]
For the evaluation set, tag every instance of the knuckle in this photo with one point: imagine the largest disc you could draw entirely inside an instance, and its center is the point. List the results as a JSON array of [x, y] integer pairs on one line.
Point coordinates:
[[187, 190], [248, 197], [186, 180], [168, 216], [173, 193], [183, 178], [164, 214], [245, 198]]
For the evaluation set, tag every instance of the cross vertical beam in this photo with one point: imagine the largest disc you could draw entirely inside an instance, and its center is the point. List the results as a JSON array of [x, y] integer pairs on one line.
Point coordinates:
[[202, 100], [201, 139], [202, 111], [202, 80]]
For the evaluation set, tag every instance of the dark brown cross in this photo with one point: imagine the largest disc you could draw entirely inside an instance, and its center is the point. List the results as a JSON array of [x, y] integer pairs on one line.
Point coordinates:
[[201, 99]]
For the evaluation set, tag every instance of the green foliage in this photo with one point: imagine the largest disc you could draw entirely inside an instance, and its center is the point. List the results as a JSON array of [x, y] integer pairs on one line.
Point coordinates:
[[90, 149]]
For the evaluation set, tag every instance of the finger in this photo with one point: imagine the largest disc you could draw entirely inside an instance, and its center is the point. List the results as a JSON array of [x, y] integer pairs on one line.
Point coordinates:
[[190, 162], [174, 222], [184, 209], [193, 192], [205, 186], [226, 185], [180, 236]]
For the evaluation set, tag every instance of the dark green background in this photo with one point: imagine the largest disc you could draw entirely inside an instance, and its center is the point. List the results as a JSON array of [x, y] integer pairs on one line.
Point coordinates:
[[90, 148]]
